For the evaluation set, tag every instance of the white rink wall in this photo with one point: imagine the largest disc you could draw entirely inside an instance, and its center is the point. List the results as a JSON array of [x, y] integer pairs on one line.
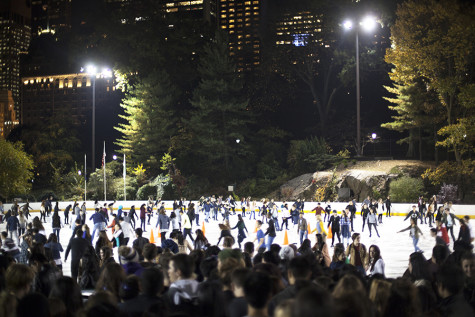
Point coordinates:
[[396, 210]]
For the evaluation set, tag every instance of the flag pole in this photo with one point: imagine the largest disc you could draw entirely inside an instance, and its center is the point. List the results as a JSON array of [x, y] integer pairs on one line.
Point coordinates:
[[125, 173], [85, 186], [104, 166]]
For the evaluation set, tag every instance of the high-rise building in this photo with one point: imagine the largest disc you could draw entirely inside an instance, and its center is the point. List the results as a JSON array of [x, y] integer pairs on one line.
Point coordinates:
[[45, 96], [201, 9], [241, 20], [7, 113], [299, 28], [15, 35], [50, 16]]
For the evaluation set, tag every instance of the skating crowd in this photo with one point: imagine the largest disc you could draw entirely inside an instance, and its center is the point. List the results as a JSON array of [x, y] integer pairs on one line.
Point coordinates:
[[121, 273]]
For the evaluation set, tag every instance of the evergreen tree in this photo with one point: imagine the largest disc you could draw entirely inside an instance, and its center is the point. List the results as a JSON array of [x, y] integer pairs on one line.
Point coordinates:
[[150, 121], [219, 117]]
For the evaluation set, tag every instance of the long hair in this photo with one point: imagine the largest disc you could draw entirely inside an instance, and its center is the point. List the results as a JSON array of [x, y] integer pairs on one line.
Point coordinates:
[[377, 255]]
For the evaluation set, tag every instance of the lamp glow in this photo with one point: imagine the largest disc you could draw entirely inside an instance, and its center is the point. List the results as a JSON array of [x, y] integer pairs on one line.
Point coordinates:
[[368, 23], [91, 69], [348, 25]]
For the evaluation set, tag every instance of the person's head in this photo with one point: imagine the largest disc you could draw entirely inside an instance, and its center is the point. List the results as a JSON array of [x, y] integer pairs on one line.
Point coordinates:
[[117, 227], [199, 234], [138, 232], [450, 280], [151, 281], [418, 266], [228, 242], [68, 291], [313, 301], [52, 238], [238, 278], [249, 248], [150, 252], [413, 222], [349, 283], [258, 224], [338, 253], [403, 299], [301, 215], [181, 267], [299, 268], [18, 279], [468, 264], [111, 278], [258, 290], [130, 288], [447, 210], [356, 238], [209, 266], [105, 252], [433, 232], [379, 293], [127, 255], [374, 252], [440, 253], [239, 218]]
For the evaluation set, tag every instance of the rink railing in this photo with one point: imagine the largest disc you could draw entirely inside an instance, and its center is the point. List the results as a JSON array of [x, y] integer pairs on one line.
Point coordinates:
[[397, 209]]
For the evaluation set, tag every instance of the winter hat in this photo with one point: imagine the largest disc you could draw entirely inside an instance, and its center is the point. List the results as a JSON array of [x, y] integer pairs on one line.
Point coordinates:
[[127, 255], [286, 253]]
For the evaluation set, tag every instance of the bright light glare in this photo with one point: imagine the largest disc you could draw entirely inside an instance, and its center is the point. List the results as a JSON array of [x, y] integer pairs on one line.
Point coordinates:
[[106, 73], [374, 136], [91, 69], [114, 157], [348, 25], [79, 172], [368, 23], [238, 140]]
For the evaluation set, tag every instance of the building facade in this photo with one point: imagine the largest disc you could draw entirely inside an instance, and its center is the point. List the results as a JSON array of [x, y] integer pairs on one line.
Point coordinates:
[[240, 19], [15, 35], [46, 96]]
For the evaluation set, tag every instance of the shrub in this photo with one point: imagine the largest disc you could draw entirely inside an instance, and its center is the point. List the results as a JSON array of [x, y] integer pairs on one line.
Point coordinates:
[[406, 189]]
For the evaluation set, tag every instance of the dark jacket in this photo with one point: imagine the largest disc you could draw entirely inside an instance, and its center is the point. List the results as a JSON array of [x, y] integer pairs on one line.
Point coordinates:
[[77, 247], [455, 306], [271, 228]]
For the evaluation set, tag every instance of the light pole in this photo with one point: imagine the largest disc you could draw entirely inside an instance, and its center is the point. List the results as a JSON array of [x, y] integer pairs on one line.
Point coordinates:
[[367, 24], [105, 73]]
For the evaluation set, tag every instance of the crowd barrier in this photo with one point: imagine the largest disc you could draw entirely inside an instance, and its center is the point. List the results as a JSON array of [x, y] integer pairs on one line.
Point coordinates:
[[397, 209]]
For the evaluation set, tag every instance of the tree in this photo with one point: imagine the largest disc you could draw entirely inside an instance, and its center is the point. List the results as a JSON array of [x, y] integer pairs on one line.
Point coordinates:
[[150, 121], [16, 169], [219, 117], [53, 145], [418, 111], [434, 42]]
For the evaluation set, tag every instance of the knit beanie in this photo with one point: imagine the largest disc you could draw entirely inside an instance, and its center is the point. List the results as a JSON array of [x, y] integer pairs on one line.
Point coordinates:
[[127, 255]]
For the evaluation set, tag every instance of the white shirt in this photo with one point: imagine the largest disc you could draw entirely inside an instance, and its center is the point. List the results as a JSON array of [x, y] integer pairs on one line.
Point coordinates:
[[378, 268]]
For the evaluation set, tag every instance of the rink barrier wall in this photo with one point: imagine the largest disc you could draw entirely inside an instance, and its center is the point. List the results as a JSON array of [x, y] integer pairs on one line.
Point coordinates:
[[397, 209]]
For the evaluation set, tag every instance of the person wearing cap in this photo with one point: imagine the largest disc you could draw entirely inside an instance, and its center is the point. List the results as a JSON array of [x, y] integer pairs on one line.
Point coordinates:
[[129, 259], [302, 228]]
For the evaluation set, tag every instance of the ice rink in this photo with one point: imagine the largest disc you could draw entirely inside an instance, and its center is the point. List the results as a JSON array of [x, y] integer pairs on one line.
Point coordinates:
[[395, 247]]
